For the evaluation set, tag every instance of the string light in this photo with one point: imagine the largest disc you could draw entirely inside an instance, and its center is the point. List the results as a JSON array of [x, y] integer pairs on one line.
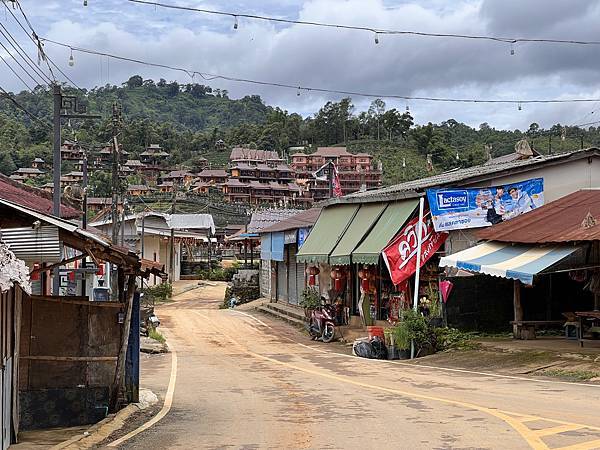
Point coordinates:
[[403, 163], [235, 23], [519, 107], [71, 59], [210, 77], [502, 39], [84, 2], [407, 108], [376, 38], [298, 92], [512, 49]]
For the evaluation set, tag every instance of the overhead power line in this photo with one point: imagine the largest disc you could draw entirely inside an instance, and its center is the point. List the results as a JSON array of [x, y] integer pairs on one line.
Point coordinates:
[[376, 31], [37, 42], [211, 76], [10, 98], [22, 53]]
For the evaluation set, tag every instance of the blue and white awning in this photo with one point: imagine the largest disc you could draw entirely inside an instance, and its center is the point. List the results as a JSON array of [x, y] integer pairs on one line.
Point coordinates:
[[518, 262]]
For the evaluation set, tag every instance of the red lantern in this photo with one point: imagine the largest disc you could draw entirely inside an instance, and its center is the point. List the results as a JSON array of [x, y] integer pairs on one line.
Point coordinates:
[[337, 275], [35, 276], [100, 271], [312, 275]]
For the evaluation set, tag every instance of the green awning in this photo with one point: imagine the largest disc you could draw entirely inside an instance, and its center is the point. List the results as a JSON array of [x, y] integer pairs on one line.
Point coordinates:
[[362, 223], [388, 225], [330, 226]]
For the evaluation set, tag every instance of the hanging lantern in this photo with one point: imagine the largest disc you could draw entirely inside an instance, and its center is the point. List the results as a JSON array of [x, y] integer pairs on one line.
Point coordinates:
[[100, 271], [338, 275], [35, 276], [312, 273], [364, 275]]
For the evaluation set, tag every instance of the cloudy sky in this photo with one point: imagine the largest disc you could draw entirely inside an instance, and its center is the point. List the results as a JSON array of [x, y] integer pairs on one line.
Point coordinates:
[[343, 59]]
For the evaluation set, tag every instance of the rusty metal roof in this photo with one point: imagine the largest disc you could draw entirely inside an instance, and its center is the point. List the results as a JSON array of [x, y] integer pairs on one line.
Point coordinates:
[[33, 198], [573, 218]]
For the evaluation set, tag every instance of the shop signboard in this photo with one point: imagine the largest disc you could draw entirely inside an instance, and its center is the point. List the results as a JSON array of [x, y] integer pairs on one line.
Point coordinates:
[[302, 235], [400, 255], [289, 237], [457, 208]]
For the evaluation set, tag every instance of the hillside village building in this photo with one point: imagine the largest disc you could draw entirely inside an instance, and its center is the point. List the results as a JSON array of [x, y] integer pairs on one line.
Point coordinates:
[[356, 172]]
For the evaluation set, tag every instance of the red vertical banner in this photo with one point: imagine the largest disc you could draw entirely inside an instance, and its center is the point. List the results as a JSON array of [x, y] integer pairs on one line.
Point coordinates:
[[400, 255], [337, 186]]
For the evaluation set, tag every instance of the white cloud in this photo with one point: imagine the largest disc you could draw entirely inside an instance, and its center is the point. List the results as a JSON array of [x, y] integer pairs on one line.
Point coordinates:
[[347, 60]]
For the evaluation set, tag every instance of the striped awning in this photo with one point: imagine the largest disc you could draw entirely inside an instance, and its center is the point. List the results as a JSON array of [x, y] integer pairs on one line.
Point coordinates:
[[518, 262]]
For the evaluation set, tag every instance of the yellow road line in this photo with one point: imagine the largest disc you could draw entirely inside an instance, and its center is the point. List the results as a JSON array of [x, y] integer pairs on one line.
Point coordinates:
[[532, 439], [583, 446], [164, 410], [514, 419], [558, 429]]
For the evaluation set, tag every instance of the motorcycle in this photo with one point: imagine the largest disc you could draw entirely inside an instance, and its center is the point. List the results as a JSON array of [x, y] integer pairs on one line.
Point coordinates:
[[321, 323]]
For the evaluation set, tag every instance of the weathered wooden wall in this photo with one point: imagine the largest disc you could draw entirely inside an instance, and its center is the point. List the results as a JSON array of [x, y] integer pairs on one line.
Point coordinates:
[[69, 347]]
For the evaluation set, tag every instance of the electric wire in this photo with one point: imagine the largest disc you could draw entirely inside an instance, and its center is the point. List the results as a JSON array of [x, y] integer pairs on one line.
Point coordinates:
[[34, 36], [376, 31], [22, 52], [15, 73], [209, 77], [35, 80], [9, 96]]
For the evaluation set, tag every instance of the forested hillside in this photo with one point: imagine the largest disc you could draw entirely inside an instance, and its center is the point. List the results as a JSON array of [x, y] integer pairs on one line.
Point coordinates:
[[188, 119]]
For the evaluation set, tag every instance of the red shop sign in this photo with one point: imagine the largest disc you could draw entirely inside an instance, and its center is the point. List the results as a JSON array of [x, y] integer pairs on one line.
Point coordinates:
[[401, 254]]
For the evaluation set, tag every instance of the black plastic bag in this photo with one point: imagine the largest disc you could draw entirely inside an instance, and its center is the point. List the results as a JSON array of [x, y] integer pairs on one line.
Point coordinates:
[[379, 348], [364, 349]]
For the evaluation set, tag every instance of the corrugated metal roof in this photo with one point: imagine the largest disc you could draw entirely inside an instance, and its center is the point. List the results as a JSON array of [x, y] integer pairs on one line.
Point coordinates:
[[476, 173], [302, 220], [268, 217], [191, 222], [33, 198], [558, 221], [33, 244]]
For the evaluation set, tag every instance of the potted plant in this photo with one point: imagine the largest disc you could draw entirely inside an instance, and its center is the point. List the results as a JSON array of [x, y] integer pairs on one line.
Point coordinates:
[[311, 299]]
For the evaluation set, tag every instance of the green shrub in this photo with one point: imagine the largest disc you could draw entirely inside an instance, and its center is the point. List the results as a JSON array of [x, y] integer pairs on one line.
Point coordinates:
[[218, 274], [157, 336], [158, 293], [311, 298], [427, 338]]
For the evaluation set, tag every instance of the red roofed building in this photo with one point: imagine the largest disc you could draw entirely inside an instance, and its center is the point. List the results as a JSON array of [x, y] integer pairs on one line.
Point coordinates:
[[30, 197], [355, 171]]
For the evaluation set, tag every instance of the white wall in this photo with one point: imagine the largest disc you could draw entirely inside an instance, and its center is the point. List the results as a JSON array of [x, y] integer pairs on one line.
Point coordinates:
[[559, 180]]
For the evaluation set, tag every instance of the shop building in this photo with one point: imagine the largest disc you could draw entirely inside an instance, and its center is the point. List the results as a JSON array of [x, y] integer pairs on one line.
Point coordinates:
[[282, 277], [344, 254], [550, 258]]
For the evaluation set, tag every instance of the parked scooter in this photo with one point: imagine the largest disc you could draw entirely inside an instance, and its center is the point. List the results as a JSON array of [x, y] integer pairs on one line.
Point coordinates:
[[322, 322]]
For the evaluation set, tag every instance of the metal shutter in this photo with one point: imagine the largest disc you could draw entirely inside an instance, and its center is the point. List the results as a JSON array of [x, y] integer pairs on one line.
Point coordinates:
[[293, 290], [282, 292], [300, 280]]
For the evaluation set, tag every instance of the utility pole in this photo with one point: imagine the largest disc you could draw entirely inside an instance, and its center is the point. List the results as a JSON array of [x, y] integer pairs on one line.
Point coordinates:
[[56, 160], [116, 123], [172, 239], [73, 110], [84, 219]]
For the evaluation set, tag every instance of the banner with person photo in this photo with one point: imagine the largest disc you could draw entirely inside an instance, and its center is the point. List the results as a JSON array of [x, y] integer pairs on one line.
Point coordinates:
[[460, 208]]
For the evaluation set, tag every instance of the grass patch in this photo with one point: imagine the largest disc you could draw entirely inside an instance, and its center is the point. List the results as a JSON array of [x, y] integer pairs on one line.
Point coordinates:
[[154, 334], [573, 375]]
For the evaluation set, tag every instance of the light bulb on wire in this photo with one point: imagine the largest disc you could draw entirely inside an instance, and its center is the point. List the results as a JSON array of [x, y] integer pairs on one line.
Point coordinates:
[[519, 107], [512, 49], [235, 22], [376, 38], [84, 2], [71, 59]]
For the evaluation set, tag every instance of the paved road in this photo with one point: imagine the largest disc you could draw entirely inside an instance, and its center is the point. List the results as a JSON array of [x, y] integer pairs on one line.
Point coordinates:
[[246, 381]]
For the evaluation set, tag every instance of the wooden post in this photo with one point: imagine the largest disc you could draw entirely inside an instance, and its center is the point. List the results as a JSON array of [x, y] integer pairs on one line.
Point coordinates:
[[518, 308], [120, 369]]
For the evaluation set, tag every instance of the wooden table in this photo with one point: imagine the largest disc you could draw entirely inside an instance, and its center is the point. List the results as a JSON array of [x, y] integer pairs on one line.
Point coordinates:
[[593, 316]]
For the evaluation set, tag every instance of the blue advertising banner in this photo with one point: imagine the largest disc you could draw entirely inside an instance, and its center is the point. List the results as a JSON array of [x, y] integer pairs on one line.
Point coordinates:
[[456, 208]]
